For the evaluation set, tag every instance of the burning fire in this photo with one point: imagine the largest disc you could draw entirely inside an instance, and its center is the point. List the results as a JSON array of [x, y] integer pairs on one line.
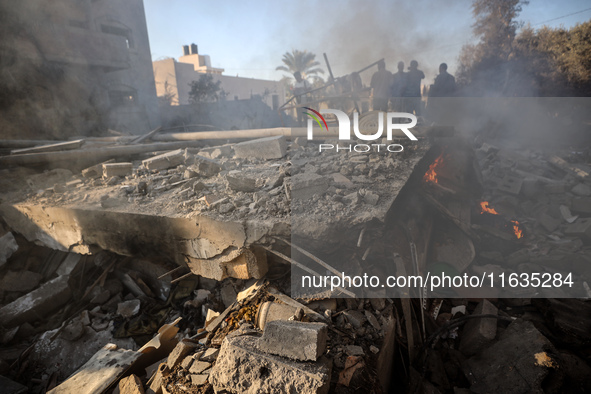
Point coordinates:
[[486, 209], [518, 232], [431, 175]]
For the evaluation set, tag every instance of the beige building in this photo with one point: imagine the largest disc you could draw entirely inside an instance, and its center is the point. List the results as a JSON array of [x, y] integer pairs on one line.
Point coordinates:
[[173, 78]]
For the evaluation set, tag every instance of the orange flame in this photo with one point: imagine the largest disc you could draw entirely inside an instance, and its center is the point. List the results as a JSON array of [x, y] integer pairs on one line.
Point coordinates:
[[485, 208], [518, 232], [431, 175]]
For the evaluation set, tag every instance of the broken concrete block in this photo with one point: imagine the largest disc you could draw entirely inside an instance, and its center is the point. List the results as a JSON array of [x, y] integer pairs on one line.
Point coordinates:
[[128, 309], [199, 366], [165, 160], [371, 198], [8, 246], [479, 332], [510, 184], [342, 181], [131, 385], [548, 222], [356, 318], [295, 340], [210, 355], [262, 148], [354, 350], [199, 379], [580, 228], [69, 264], [228, 294], [117, 169], [21, 281], [99, 372], [581, 205], [242, 368], [187, 361], [73, 331], [181, 350], [205, 167], [239, 182], [582, 190], [38, 303], [305, 185], [96, 171]]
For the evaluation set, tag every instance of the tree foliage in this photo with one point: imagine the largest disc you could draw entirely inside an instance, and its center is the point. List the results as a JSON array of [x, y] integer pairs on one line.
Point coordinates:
[[205, 90], [530, 62], [302, 61]]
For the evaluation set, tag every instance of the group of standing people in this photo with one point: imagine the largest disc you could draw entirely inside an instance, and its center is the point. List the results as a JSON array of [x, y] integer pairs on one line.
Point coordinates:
[[401, 91]]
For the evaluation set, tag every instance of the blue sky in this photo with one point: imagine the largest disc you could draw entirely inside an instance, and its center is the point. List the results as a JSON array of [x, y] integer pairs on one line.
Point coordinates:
[[249, 38]]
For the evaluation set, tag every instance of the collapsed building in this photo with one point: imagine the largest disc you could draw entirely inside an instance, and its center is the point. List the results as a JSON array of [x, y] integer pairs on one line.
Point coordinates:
[[174, 262]]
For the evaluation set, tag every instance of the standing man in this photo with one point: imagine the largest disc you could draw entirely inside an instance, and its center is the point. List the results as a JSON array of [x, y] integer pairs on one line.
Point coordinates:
[[381, 82], [413, 88], [445, 83], [300, 87], [398, 89]]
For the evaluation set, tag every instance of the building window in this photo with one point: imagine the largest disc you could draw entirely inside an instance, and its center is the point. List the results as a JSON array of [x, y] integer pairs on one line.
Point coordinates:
[[119, 31], [122, 98]]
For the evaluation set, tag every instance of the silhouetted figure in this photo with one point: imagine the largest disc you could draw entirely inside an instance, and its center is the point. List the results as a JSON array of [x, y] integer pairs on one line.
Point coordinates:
[[445, 83], [381, 81], [413, 88], [398, 88]]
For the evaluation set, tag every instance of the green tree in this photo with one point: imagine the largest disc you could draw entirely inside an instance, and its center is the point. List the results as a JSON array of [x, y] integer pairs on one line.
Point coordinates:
[[484, 65], [205, 90], [302, 61]]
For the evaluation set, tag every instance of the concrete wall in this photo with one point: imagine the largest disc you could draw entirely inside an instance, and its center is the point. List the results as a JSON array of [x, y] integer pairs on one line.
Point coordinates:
[[75, 67], [126, 18]]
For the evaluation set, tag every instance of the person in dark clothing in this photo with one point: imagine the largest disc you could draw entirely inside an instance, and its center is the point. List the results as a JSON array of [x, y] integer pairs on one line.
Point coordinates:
[[381, 82], [445, 83], [398, 89], [413, 88]]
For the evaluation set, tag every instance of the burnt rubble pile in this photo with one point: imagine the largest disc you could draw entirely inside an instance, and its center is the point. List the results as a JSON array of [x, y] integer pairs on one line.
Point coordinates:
[[75, 318]]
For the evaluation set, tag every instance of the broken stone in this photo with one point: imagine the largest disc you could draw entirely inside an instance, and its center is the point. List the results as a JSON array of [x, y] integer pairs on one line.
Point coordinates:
[[371, 198], [8, 246], [354, 350], [372, 320], [70, 264], [228, 293], [582, 190], [356, 318], [187, 361], [479, 332], [38, 303], [117, 169], [580, 228], [206, 167], [305, 185], [294, 339], [128, 309], [74, 330], [99, 296], [548, 222], [22, 281], [199, 366], [131, 385], [199, 379], [165, 160], [242, 368], [210, 355], [581, 205], [239, 182], [181, 350], [262, 148]]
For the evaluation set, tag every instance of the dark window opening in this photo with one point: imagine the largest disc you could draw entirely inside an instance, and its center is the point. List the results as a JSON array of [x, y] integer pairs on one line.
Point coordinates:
[[120, 98], [119, 31]]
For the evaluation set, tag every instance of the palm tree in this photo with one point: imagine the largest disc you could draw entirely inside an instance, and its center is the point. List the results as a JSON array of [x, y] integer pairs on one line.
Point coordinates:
[[302, 61]]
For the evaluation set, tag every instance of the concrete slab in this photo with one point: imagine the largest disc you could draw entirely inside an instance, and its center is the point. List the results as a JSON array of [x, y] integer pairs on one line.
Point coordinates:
[[262, 148], [295, 340], [242, 368]]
